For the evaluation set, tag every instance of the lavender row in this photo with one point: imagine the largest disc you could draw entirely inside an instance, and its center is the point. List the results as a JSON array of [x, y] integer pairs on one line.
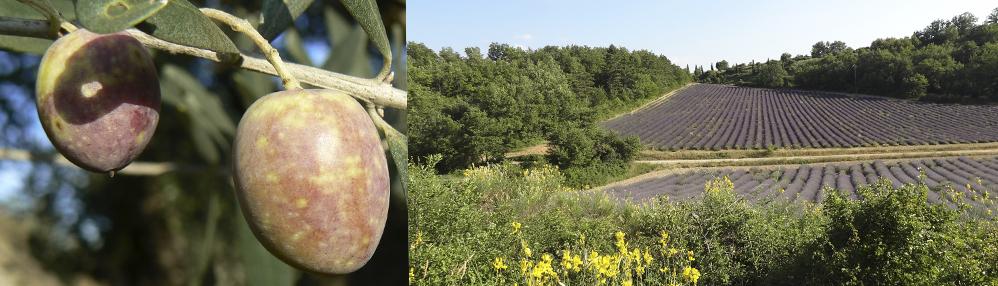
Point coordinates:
[[969, 177]]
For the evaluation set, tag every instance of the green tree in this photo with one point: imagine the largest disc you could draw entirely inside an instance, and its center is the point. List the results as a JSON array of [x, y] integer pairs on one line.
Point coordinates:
[[771, 74], [722, 65]]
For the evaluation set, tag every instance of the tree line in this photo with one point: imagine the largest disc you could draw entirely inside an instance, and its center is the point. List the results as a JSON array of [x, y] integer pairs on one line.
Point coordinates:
[[952, 60], [474, 108]]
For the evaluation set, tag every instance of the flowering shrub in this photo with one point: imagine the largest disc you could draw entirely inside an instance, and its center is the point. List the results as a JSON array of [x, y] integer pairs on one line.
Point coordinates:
[[504, 225]]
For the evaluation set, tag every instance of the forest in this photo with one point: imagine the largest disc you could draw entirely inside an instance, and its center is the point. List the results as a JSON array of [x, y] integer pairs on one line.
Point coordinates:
[[474, 108], [952, 60]]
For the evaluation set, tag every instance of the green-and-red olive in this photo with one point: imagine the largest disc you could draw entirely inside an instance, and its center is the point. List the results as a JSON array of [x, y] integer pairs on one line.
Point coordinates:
[[98, 98], [312, 179]]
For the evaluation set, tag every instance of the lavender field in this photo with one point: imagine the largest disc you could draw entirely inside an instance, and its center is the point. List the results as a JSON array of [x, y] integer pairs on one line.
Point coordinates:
[[807, 182], [713, 117]]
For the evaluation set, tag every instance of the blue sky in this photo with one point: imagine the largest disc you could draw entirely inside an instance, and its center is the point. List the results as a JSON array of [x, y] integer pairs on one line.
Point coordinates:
[[688, 32]]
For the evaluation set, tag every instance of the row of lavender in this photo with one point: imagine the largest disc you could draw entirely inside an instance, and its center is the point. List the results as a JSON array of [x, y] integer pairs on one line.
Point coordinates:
[[970, 177], [707, 116]]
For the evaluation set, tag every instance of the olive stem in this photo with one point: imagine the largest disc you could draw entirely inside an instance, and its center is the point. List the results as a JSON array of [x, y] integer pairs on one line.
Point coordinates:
[[376, 114], [365, 90], [372, 110], [243, 26], [45, 8], [25, 28], [133, 169]]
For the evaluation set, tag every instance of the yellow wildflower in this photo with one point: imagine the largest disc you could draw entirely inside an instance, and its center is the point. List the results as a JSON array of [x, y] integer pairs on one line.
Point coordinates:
[[690, 255], [691, 274], [525, 266], [412, 274], [673, 251], [663, 239], [621, 244], [526, 248], [416, 242], [499, 264], [566, 260], [619, 235], [627, 283], [647, 256], [516, 227]]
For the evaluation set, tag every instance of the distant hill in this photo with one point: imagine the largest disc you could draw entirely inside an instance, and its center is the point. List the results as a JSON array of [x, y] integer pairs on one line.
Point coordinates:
[[952, 60]]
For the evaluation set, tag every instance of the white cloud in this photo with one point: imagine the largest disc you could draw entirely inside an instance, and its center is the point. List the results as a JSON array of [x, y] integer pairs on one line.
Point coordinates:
[[524, 37]]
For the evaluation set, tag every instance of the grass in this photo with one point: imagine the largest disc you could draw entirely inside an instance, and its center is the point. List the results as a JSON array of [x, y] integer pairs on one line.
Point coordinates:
[[637, 105]]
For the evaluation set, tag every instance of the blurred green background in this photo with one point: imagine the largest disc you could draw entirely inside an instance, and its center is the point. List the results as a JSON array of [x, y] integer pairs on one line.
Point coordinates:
[[64, 226]]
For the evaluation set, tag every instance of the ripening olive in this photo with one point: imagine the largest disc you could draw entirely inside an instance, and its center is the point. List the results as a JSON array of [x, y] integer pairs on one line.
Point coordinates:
[[312, 179], [98, 98]]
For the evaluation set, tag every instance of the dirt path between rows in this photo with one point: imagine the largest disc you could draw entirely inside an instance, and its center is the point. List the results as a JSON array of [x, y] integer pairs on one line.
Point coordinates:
[[686, 163], [778, 165]]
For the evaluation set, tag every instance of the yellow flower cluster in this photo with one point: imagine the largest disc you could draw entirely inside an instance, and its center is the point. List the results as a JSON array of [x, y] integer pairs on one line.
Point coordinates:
[[604, 266], [691, 274], [569, 262], [719, 184], [499, 264], [577, 265]]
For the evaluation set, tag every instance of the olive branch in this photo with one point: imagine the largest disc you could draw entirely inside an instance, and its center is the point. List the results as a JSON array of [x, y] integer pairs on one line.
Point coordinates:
[[376, 92]]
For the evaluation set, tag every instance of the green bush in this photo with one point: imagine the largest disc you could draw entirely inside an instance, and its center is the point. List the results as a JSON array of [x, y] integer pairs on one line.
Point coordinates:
[[589, 155], [894, 235], [460, 227]]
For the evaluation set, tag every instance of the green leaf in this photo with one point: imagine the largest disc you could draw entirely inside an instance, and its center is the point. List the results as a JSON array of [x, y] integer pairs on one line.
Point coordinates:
[[252, 85], [401, 72], [398, 146], [109, 16], [293, 42], [211, 128], [24, 44], [180, 22], [367, 14], [349, 46], [11, 8], [259, 266], [277, 15]]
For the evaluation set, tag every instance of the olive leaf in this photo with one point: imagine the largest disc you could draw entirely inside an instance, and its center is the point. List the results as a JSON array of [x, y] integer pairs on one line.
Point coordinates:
[[367, 14], [109, 16], [349, 47], [402, 76], [296, 48], [10, 8], [398, 146], [211, 128], [180, 22], [260, 267], [277, 15]]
